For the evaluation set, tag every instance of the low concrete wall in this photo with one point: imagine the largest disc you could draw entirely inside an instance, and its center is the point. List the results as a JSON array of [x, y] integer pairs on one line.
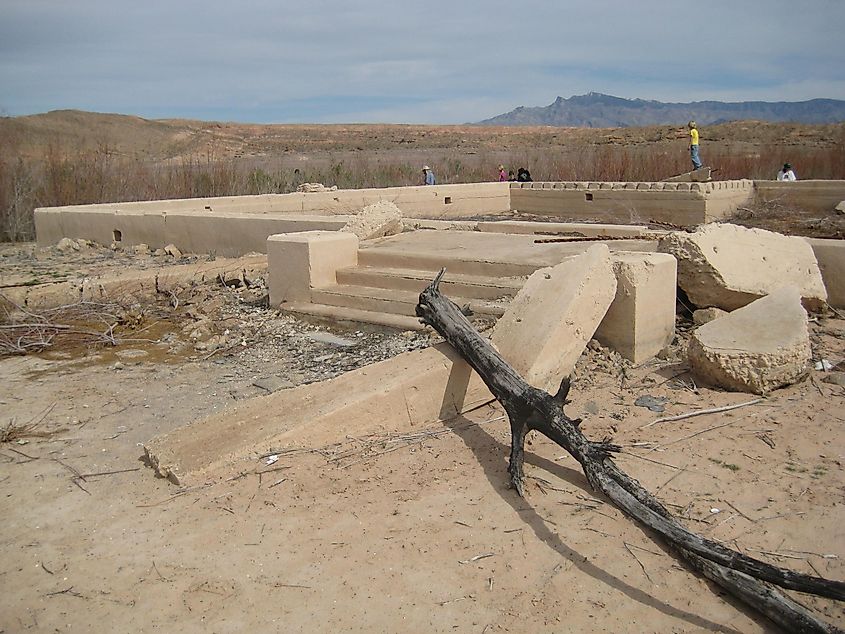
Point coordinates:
[[234, 225], [676, 203], [830, 254], [810, 195]]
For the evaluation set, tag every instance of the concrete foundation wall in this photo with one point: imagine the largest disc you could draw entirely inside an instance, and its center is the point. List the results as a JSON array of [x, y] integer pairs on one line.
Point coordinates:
[[810, 195], [676, 203]]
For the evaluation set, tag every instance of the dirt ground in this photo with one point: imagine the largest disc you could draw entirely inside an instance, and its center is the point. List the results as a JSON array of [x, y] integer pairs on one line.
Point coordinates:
[[413, 530]]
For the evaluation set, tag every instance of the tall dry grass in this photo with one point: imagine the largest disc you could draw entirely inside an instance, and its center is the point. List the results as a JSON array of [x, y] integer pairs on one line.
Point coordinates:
[[65, 177]]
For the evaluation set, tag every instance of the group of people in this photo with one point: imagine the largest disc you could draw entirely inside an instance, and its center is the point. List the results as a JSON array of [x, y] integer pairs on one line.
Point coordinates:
[[524, 176]]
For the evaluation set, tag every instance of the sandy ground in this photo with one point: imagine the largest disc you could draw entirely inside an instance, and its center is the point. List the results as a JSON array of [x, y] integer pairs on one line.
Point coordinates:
[[406, 531]]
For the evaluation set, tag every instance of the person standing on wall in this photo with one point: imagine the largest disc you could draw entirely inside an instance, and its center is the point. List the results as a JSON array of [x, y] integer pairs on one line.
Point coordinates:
[[786, 173], [693, 145], [428, 176]]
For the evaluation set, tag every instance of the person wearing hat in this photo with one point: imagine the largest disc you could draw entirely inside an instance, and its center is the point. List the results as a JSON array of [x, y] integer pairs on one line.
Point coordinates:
[[428, 175], [786, 173]]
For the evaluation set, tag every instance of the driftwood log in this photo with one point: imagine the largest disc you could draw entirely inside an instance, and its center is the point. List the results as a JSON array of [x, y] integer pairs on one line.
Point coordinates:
[[530, 408]]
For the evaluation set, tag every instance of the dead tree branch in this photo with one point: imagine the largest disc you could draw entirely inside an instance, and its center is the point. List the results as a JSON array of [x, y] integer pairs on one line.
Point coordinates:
[[530, 408]]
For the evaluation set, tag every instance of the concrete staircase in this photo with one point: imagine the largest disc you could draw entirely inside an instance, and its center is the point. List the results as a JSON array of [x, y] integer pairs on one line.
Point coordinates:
[[382, 290]]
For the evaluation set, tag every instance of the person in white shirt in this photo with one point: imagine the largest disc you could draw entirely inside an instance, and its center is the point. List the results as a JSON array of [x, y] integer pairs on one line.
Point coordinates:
[[786, 173]]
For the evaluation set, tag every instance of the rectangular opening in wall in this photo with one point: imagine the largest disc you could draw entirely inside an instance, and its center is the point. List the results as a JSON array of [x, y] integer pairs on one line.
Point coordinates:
[[118, 236], [588, 196], [447, 200]]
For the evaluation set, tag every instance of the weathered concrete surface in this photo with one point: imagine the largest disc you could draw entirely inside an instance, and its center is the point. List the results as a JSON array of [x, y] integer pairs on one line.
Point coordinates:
[[641, 320], [728, 266], [376, 221], [811, 195], [132, 284], [830, 254], [409, 389], [701, 175], [758, 348], [706, 315], [554, 315], [299, 262], [586, 229]]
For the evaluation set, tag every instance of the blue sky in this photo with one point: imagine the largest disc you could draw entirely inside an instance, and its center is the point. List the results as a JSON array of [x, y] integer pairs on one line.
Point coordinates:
[[321, 61]]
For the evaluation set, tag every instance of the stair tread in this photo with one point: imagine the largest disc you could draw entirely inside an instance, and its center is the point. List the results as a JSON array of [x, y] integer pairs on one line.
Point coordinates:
[[408, 297], [512, 283], [402, 322]]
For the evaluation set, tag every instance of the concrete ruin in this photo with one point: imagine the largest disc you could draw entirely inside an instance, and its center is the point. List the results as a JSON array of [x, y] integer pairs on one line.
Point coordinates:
[[546, 286]]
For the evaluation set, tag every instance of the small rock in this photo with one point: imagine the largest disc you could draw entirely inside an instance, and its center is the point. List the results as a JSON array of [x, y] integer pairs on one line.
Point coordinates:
[[141, 249], [706, 315], [330, 339], [653, 403], [118, 366], [159, 253], [66, 244], [272, 383], [840, 208], [835, 378]]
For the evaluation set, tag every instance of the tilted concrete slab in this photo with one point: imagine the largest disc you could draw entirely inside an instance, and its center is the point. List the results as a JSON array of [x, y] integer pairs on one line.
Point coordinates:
[[830, 255], [641, 320], [728, 266], [758, 348], [550, 321], [409, 389]]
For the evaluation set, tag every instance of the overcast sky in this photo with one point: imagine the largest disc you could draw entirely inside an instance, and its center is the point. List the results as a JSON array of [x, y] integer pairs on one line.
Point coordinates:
[[276, 61]]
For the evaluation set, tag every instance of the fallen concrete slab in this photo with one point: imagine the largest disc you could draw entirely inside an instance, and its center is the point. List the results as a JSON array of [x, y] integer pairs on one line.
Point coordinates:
[[554, 315], [706, 315], [376, 221], [758, 348], [409, 389], [641, 319], [728, 266]]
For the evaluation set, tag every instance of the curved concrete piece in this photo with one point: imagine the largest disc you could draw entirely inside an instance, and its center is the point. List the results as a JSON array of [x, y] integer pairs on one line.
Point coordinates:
[[728, 266], [758, 348]]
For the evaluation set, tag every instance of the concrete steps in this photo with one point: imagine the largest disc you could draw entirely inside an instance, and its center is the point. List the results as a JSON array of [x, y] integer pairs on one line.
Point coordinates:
[[392, 258], [342, 313], [402, 279], [386, 300], [388, 296]]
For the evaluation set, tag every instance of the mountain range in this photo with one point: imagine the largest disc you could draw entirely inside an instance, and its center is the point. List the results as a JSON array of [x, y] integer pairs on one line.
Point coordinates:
[[595, 110]]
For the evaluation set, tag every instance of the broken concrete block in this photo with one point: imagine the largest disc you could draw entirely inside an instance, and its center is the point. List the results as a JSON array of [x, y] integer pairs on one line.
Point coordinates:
[[173, 250], [376, 221], [728, 266], [706, 315], [830, 254], [66, 245], [298, 262], [554, 315], [840, 208], [758, 348], [641, 320]]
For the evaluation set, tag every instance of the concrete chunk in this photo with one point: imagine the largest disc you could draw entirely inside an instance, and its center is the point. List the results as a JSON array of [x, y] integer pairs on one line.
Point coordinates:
[[830, 255], [728, 266], [376, 221], [706, 315], [758, 348], [641, 320], [554, 315]]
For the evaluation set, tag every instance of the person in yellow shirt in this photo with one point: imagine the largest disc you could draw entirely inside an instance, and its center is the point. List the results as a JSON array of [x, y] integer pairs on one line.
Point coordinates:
[[693, 145]]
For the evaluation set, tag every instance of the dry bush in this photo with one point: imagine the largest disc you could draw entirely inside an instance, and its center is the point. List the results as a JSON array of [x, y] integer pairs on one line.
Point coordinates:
[[97, 175]]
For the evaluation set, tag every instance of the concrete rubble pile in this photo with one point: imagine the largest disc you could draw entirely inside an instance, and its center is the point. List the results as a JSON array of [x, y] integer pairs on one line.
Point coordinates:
[[376, 221], [751, 288]]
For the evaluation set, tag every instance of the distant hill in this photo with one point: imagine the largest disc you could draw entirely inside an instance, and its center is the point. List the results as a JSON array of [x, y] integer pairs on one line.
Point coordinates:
[[595, 110]]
